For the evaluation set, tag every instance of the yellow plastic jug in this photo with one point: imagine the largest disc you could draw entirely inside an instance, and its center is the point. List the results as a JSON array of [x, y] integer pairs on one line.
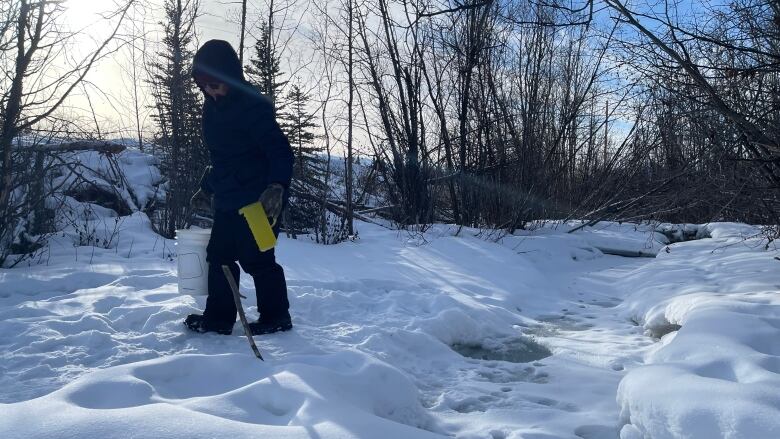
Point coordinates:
[[262, 230]]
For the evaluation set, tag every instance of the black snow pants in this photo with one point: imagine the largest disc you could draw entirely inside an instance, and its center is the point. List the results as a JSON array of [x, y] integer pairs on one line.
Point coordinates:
[[232, 240]]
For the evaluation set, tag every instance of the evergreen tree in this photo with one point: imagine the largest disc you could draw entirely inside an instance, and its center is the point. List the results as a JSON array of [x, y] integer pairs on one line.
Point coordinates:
[[183, 155], [263, 70], [297, 124], [309, 170]]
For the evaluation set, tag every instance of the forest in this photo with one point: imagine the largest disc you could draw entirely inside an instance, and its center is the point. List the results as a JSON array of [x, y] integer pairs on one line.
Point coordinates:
[[491, 114]]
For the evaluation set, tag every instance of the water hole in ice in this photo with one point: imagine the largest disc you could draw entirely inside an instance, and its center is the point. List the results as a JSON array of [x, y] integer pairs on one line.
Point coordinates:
[[513, 350]]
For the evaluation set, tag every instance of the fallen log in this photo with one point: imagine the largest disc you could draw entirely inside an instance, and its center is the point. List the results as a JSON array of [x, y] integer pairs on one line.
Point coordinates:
[[78, 145], [626, 253]]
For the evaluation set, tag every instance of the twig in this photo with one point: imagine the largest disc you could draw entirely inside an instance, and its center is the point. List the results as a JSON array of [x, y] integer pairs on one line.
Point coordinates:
[[131, 247]]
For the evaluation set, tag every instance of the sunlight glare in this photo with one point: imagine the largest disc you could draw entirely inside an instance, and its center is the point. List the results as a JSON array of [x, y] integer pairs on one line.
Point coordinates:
[[83, 13]]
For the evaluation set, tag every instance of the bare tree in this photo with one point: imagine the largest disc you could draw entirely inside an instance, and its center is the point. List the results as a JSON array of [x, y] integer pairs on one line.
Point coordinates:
[[715, 85], [137, 49], [348, 178], [243, 32], [494, 114]]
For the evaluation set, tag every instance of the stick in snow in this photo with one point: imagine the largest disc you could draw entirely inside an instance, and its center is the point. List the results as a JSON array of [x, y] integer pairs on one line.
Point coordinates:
[[240, 308]]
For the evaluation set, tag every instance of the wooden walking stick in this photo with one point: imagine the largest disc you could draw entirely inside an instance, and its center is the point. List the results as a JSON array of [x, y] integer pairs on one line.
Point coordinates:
[[240, 308]]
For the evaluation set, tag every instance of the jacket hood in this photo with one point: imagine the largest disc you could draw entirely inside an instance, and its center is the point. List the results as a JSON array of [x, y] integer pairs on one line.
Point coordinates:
[[217, 59]]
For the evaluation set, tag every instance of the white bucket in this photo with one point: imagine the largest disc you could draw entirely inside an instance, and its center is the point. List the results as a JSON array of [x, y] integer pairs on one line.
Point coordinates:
[[193, 268]]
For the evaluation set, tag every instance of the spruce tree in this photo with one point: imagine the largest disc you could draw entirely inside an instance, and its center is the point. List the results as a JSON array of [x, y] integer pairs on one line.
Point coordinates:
[[183, 156], [263, 70], [309, 170], [297, 124]]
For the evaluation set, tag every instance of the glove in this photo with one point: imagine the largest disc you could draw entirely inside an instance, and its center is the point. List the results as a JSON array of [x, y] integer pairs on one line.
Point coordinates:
[[200, 201], [271, 199]]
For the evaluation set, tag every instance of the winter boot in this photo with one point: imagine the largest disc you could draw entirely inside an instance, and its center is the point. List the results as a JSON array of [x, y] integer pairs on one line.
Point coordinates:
[[198, 323], [269, 326]]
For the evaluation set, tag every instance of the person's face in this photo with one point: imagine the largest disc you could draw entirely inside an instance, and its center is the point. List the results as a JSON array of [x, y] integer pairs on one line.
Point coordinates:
[[215, 89]]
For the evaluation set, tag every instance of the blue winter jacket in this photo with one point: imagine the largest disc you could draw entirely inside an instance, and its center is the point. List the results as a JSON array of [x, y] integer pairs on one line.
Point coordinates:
[[247, 147]]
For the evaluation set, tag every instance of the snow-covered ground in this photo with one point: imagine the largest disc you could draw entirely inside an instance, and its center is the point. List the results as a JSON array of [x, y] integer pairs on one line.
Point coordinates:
[[536, 336]]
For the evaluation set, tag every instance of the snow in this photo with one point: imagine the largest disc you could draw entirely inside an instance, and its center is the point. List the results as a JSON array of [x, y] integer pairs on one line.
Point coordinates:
[[717, 376], [534, 335], [137, 184]]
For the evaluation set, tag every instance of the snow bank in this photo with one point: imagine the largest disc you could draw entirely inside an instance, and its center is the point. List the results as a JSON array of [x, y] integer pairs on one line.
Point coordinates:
[[131, 175], [552, 238], [347, 394], [716, 372]]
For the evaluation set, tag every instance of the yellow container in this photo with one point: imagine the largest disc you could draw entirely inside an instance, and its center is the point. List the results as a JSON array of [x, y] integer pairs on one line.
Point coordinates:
[[262, 230]]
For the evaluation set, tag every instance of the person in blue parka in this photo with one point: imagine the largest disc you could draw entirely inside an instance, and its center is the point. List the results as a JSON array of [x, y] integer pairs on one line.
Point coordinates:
[[251, 160]]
